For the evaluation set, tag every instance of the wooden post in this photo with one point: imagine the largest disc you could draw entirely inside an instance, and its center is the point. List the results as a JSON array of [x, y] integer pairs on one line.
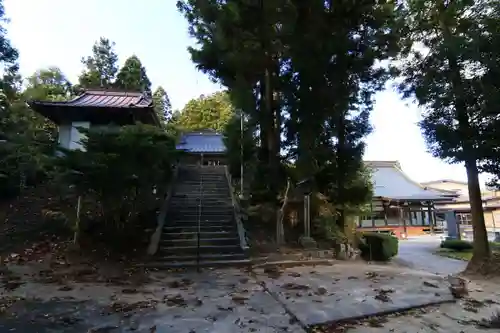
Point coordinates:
[[431, 217], [371, 214], [385, 211], [307, 216], [402, 214], [76, 236]]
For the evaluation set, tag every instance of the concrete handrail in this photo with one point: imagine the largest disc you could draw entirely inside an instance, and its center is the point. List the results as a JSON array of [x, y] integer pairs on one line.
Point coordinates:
[[155, 237], [237, 215]]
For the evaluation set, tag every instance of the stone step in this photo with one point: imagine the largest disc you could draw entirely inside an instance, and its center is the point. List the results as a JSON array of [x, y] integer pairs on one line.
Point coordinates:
[[194, 225], [213, 249], [204, 194], [203, 228], [203, 234], [205, 211], [203, 201], [203, 256], [193, 264], [178, 207], [182, 242], [180, 217]]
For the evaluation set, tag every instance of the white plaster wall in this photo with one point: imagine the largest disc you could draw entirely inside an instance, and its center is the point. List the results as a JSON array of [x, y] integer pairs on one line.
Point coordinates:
[[76, 136], [64, 135]]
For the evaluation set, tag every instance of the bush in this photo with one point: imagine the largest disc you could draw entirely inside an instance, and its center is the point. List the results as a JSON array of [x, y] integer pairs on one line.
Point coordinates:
[[378, 247], [125, 171], [456, 245]]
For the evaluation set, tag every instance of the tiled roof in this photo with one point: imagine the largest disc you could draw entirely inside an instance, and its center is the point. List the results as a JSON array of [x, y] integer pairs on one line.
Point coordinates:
[[104, 99], [202, 142], [391, 182]]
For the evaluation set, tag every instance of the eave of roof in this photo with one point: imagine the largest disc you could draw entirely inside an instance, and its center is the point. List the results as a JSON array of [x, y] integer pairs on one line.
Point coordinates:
[[440, 181], [386, 172], [203, 141], [101, 99]]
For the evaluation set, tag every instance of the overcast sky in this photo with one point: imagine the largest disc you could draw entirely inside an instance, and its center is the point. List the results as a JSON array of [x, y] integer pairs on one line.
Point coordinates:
[[60, 32]]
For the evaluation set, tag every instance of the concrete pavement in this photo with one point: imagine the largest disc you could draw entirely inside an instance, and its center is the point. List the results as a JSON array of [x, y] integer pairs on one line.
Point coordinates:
[[417, 253]]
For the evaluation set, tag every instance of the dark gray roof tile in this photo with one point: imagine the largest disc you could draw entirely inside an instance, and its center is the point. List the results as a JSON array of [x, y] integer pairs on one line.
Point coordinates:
[[105, 99], [202, 142]]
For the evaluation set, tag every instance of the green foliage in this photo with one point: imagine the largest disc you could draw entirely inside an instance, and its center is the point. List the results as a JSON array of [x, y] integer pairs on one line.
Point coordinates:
[[120, 169], [237, 143], [48, 84], [101, 67], [457, 245], [301, 70], [132, 76], [326, 227], [378, 246], [447, 68], [163, 107], [206, 112]]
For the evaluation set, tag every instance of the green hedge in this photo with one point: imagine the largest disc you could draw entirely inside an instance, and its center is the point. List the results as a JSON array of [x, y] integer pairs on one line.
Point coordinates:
[[457, 245], [378, 246]]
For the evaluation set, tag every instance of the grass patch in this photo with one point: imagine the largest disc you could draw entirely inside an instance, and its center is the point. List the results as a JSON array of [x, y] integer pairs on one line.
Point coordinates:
[[460, 255]]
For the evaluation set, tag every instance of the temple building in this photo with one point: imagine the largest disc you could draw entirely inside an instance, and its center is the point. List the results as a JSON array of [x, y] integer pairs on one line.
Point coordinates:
[[96, 108], [401, 205], [204, 147], [461, 206]]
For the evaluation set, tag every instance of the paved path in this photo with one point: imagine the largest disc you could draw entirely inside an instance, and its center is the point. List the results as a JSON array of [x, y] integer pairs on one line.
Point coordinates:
[[417, 253]]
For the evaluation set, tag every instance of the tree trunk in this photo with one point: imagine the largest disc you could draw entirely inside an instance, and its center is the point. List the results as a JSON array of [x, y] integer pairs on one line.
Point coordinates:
[[341, 161], [263, 130], [481, 243], [280, 229]]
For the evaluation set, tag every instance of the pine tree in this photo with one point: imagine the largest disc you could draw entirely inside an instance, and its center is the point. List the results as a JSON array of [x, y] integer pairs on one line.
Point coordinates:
[[101, 67]]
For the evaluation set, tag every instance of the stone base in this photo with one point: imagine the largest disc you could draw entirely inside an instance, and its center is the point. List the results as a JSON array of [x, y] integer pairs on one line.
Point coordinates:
[[308, 242], [347, 252]]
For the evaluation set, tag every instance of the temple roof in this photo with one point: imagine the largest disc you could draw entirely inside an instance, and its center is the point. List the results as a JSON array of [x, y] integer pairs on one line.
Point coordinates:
[[203, 141], [391, 182], [104, 99], [100, 106]]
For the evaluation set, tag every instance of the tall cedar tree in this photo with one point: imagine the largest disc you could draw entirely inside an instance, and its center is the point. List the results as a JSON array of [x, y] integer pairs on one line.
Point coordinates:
[[312, 61], [163, 107], [332, 78], [238, 46], [445, 62], [132, 76], [101, 67]]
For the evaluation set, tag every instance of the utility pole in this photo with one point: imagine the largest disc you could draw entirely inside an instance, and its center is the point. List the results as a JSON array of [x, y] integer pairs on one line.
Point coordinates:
[[241, 154]]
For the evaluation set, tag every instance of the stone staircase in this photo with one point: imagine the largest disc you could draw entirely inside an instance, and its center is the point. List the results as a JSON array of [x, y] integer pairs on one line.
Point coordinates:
[[200, 206]]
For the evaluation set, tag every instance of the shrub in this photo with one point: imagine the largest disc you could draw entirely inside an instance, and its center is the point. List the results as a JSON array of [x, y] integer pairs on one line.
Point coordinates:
[[456, 245], [124, 170], [378, 247], [325, 227]]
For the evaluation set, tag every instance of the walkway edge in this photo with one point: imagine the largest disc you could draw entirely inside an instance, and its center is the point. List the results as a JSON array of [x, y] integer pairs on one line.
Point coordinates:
[[155, 237], [382, 313]]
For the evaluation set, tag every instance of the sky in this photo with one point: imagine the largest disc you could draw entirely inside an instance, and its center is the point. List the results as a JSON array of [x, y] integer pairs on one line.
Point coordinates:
[[61, 32]]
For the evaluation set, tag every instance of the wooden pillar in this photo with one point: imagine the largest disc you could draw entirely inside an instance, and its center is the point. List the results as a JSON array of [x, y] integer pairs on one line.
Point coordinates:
[[307, 216], [371, 214], [402, 211], [385, 205], [431, 216]]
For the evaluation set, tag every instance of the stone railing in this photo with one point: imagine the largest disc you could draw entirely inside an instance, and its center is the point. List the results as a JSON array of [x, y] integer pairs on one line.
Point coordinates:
[[162, 215], [237, 213]]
